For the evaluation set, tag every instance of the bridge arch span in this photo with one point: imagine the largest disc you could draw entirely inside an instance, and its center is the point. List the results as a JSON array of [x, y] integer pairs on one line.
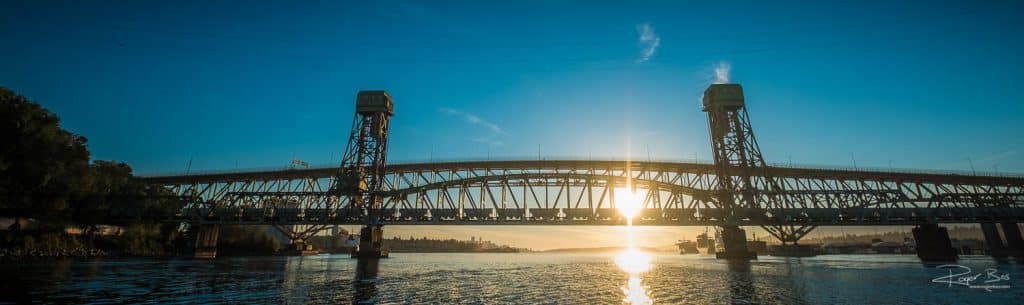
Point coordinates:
[[453, 190]]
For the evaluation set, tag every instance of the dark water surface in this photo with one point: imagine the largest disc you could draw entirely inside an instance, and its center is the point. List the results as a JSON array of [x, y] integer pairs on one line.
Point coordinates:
[[526, 278]]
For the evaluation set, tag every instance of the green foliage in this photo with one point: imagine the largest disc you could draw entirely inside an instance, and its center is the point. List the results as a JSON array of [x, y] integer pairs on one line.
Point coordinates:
[[45, 173], [42, 166], [50, 241], [113, 187], [146, 240], [246, 240]]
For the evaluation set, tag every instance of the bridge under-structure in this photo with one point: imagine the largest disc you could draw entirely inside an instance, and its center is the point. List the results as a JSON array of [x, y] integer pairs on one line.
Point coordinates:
[[571, 192], [738, 189]]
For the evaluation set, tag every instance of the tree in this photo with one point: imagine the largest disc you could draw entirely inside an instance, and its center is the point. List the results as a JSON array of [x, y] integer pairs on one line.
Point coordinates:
[[110, 185], [114, 188], [42, 166], [45, 174]]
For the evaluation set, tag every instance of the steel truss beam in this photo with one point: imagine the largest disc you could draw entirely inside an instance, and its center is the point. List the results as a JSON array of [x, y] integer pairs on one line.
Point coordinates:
[[503, 192]]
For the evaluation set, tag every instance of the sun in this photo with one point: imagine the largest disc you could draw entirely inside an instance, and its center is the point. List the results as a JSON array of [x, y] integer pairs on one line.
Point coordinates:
[[628, 201]]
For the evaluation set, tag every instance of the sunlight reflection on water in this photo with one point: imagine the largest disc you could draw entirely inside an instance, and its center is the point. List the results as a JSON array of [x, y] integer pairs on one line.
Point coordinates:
[[634, 262], [636, 293], [499, 278]]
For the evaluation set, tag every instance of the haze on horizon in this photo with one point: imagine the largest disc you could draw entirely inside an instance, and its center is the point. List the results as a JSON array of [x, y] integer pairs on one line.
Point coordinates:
[[562, 237], [172, 86]]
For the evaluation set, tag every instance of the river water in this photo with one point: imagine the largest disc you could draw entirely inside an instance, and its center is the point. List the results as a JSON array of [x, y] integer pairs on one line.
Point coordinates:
[[516, 278]]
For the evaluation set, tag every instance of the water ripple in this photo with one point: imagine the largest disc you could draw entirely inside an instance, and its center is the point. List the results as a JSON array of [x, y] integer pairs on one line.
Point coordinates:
[[527, 278]]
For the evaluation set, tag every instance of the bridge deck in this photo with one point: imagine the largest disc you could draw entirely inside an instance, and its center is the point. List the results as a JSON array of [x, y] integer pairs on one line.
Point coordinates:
[[573, 192], [648, 217]]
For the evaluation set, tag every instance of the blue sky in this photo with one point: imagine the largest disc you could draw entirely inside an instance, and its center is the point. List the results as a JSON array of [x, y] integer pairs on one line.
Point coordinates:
[[927, 85], [917, 85]]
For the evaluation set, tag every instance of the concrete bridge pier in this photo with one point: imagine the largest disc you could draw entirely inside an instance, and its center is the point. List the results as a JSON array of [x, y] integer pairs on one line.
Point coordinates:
[[365, 283], [933, 243], [1014, 241], [734, 241], [996, 248], [206, 241], [371, 242]]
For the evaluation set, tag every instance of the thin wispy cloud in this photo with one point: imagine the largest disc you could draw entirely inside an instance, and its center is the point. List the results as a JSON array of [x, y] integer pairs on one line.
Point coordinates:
[[473, 119], [649, 40]]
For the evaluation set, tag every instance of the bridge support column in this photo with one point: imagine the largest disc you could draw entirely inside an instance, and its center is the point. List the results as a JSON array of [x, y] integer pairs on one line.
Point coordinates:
[[995, 244], [366, 281], [790, 237], [297, 237], [1014, 241], [370, 242], [734, 241], [206, 241], [933, 243]]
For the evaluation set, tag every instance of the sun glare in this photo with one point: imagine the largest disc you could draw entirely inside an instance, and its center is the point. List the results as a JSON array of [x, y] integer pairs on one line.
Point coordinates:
[[636, 293], [633, 261], [628, 202]]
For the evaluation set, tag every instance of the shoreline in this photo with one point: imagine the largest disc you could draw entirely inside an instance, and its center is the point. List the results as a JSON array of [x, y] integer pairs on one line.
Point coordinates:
[[8, 255]]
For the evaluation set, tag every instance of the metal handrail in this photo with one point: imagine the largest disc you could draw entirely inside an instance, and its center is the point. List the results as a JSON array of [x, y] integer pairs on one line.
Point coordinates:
[[681, 161]]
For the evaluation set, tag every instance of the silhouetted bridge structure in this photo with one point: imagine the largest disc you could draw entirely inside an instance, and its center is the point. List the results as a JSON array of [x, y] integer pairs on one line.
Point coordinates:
[[571, 192], [737, 189]]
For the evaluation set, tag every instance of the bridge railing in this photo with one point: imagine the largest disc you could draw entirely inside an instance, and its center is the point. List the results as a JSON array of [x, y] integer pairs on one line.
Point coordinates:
[[406, 161], [898, 170], [585, 216], [610, 159], [227, 171]]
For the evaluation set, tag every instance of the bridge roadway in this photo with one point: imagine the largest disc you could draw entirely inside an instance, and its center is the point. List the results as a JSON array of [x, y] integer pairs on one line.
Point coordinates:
[[575, 192]]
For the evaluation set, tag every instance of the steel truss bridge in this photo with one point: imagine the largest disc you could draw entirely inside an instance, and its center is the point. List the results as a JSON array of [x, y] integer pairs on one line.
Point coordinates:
[[738, 189], [573, 192]]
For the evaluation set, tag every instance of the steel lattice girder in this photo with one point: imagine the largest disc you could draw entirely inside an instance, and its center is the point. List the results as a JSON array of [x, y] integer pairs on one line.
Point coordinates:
[[461, 190]]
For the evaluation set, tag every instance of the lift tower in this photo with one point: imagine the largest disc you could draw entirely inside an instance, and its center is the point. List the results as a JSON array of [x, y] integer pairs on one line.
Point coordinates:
[[744, 187], [361, 176]]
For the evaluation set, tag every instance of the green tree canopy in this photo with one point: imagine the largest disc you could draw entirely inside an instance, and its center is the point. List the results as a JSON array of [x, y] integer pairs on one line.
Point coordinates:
[[45, 172], [42, 166]]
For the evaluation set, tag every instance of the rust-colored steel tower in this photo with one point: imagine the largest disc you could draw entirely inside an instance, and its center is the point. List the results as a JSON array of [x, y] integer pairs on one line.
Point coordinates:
[[744, 187], [361, 176]]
